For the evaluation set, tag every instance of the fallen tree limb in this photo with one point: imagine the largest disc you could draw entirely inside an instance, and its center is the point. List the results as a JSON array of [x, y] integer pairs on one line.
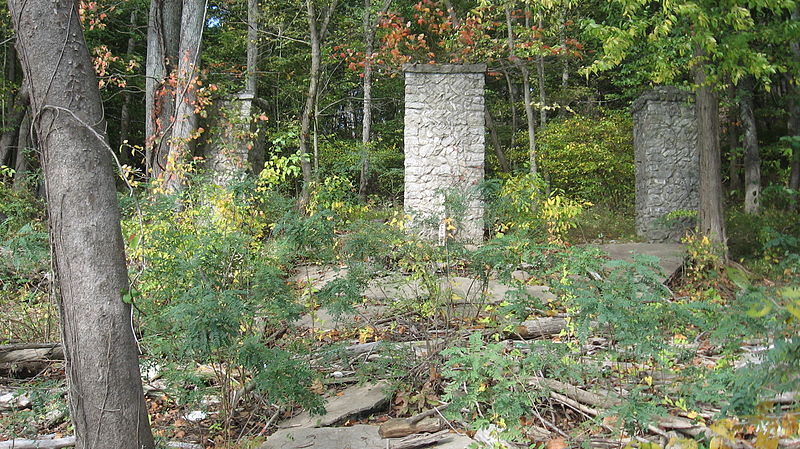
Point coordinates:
[[56, 443], [31, 352], [416, 441], [539, 328], [668, 422]]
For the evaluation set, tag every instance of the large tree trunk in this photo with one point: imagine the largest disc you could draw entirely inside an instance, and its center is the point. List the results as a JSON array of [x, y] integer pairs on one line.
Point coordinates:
[[105, 390], [752, 159], [526, 86], [163, 41], [711, 221], [185, 119]]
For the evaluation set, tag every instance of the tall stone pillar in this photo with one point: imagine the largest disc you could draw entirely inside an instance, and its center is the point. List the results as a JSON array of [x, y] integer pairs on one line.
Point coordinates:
[[444, 150], [229, 143], [666, 160]]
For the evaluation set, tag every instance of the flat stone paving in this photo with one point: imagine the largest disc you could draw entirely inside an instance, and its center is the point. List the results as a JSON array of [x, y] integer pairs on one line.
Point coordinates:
[[670, 255]]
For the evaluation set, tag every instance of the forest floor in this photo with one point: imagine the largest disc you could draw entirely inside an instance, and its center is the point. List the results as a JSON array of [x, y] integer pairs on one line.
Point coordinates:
[[366, 359]]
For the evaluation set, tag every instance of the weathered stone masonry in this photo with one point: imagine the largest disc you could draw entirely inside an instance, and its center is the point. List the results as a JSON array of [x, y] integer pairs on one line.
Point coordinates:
[[444, 147], [666, 158]]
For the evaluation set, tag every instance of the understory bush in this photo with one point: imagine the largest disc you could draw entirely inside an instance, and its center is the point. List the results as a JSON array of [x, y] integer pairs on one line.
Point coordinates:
[[523, 205], [590, 158]]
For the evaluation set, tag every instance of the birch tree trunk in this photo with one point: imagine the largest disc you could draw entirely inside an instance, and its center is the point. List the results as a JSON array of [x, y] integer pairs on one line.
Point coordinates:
[[105, 390], [370, 25]]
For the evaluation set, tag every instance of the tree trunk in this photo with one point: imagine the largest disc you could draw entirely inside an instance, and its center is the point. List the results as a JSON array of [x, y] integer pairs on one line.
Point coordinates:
[[542, 91], [711, 220], [163, 41], [526, 86], [562, 37], [317, 36], [498, 150], [106, 401], [17, 114], [794, 119], [542, 94], [185, 118], [23, 147], [733, 146], [252, 47], [752, 159], [370, 26], [125, 114], [512, 102]]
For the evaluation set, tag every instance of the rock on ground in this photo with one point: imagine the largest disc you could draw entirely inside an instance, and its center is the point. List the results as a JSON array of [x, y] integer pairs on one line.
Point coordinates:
[[353, 401]]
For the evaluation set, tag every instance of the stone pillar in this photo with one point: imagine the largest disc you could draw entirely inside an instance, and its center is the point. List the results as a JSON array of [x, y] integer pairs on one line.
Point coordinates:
[[230, 139], [444, 150], [666, 160]]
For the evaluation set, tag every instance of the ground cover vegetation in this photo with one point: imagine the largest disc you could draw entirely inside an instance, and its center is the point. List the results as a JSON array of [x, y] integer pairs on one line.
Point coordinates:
[[269, 262]]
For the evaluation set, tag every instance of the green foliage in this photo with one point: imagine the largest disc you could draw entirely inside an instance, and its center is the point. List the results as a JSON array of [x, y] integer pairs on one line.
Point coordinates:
[[488, 384], [208, 287], [523, 206], [590, 158]]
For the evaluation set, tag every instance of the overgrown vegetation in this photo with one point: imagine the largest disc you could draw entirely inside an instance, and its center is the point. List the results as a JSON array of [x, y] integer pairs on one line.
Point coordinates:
[[217, 299]]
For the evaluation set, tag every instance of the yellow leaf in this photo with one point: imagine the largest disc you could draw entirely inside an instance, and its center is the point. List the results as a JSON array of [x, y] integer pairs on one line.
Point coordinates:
[[766, 440]]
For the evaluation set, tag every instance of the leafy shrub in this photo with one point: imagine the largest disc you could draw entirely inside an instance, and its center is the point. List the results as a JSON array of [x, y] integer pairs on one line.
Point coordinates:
[[206, 275], [590, 158], [523, 206]]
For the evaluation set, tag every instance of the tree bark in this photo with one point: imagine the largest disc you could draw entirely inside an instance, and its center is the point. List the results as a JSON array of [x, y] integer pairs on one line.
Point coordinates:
[[498, 150], [542, 91], [752, 159], [512, 103], [18, 112], [370, 25], [125, 114], [526, 86], [163, 41], [185, 118], [23, 147], [252, 47], [794, 119], [711, 219], [106, 400], [733, 145], [317, 35]]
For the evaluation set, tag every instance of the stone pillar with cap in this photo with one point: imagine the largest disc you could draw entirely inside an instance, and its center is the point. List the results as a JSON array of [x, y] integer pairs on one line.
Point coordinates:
[[444, 150]]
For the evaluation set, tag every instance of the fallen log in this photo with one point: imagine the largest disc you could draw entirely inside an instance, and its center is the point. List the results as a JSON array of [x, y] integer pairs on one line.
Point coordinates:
[[56, 443], [416, 441], [667, 422], [539, 328], [31, 352]]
